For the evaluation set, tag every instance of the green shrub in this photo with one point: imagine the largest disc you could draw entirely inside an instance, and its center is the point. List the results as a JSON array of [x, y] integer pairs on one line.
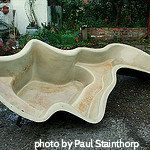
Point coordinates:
[[23, 40], [61, 39], [105, 13], [68, 39]]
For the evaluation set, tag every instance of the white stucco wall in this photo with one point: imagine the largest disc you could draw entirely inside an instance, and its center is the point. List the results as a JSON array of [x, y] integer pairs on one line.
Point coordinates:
[[21, 20]]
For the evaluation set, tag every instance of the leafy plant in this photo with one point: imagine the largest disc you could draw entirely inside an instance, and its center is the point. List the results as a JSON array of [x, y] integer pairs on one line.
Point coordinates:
[[104, 13], [51, 36]]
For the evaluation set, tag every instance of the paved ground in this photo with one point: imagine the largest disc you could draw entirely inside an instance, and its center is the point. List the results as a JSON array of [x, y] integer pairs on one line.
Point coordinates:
[[127, 117]]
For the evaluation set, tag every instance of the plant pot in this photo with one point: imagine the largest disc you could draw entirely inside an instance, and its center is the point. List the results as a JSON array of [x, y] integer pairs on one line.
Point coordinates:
[[31, 30]]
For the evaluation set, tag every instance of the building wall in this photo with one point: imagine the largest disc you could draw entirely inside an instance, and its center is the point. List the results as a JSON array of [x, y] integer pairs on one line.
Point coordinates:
[[21, 20]]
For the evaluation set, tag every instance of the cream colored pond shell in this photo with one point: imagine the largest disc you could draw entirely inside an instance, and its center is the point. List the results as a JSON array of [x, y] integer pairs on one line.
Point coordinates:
[[41, 80]]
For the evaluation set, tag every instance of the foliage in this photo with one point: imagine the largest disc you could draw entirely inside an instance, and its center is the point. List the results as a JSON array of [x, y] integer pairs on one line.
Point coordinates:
[[9, 47], [71, 12], [69, 38], [51, 36], [97, 13], [105, 13]]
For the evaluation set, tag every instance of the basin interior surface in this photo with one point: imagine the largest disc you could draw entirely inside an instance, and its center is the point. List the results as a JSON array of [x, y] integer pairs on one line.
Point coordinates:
[[42, 95], [41, 91]]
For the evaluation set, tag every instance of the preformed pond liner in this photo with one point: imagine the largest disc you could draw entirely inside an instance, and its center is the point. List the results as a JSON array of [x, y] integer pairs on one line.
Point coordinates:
[[41, 80]]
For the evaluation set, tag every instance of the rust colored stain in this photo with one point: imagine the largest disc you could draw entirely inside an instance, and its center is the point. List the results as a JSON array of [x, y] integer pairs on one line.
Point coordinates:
[[108, 66], [85, 102]]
